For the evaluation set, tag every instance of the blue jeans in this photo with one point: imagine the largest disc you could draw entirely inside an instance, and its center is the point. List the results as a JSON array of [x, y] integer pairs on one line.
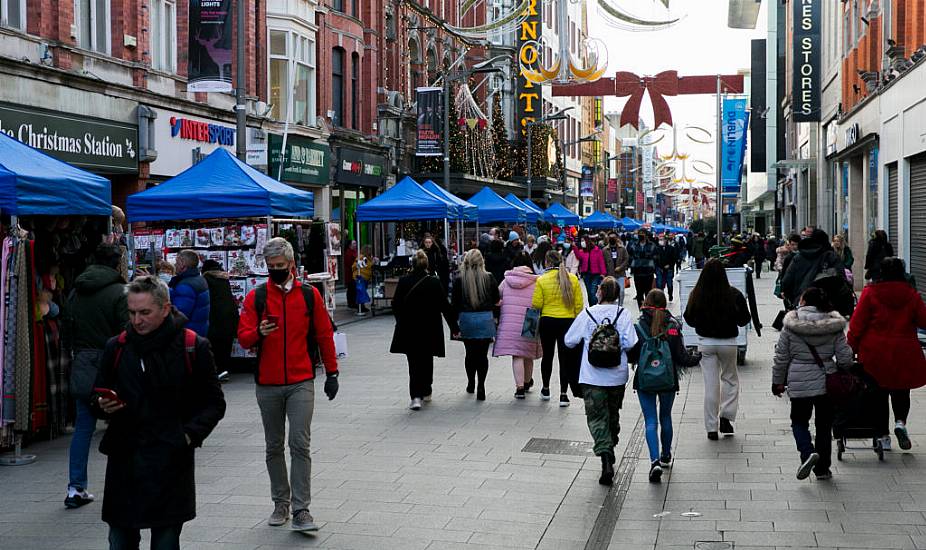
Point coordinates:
[[84, 426], [823, 412], [592, 281], [162, 538], [653, 422], [621, 289], [664, 278]]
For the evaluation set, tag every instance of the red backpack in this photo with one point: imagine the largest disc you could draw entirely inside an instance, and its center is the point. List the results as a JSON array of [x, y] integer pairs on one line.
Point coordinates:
[[189, 346]]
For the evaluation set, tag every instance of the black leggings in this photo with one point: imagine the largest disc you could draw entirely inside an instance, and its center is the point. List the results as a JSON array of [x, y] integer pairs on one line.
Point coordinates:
[[643, 284], [477, 359], [900, 403], [552, 331]]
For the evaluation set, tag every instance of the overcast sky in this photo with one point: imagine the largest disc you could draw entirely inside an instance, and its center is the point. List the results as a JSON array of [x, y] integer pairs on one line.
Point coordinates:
[[700, 43]]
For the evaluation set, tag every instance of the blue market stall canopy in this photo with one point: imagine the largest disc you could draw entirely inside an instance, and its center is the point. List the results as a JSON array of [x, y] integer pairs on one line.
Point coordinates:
[[630, 224], [536, 208], [33, 183], [600, 220], [532, 215], [558, 214], [493, 208], [466, 211], [406, 200], [220, 186]]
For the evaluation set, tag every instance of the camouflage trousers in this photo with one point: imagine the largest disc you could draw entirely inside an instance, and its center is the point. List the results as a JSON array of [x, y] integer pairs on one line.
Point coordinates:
[[603, 414]]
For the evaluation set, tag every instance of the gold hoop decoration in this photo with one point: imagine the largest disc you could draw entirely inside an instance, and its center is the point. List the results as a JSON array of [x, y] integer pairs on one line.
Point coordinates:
[[625, 19], [709, 170], [696, 140], [552, 72]]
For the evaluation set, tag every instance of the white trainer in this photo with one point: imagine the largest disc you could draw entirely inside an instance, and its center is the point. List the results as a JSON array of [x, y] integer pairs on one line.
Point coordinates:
[[415, 404]]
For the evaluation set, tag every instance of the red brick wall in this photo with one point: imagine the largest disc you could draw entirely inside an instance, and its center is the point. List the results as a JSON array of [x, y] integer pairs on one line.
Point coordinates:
[[866, 56]]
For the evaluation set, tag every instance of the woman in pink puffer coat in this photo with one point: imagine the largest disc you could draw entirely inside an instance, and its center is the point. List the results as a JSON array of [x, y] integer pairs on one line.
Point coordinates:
[[516, 292]]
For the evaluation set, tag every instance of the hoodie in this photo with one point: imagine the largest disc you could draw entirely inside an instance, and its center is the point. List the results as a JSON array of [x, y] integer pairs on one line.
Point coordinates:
[[97, 310], [516, 292], [812, 257], [794, 363]]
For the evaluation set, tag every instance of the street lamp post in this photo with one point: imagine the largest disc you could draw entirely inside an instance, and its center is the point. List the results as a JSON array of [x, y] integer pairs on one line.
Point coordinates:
[[584, 139], [486, 66], [558, 115]]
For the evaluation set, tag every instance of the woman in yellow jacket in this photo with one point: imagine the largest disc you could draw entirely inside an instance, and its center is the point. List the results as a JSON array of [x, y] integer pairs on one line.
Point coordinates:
[[362, 271], [558, 297]]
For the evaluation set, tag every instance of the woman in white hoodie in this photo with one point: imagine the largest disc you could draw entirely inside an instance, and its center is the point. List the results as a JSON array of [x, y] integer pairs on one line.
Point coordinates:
[[811, 344]]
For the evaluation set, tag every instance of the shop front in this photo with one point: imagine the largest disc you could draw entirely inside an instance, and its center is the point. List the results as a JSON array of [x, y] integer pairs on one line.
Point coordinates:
[[306, 165], [104, 147], [359, 176], [175, 141]]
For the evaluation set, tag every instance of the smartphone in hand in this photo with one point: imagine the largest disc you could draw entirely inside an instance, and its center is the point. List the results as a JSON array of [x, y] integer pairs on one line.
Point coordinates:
[[107, 393]]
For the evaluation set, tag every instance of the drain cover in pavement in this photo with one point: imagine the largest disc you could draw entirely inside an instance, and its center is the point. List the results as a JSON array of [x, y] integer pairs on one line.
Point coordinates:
[[713, 545], [558, 447]]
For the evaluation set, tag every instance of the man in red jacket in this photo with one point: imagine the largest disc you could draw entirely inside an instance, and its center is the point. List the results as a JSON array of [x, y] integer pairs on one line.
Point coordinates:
[[277, 321]]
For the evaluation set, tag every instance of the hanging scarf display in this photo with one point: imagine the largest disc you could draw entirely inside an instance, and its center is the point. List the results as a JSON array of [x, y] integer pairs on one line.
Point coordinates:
[[23, 355], [4, 326]]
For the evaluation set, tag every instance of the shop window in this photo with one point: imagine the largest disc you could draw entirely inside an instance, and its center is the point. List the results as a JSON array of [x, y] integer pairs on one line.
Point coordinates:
[[292, 77], [13, 14], [355, 91], [92, 20], [164, 35], [337, 86]]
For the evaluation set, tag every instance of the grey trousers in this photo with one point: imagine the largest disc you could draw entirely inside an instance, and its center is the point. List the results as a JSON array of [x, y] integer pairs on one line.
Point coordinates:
[[277, 403], [721, 384]]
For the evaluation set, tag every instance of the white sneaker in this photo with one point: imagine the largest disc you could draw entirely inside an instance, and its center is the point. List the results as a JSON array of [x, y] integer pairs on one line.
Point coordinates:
[[415, 404], [886, 443], [427, 398], [903, 438]]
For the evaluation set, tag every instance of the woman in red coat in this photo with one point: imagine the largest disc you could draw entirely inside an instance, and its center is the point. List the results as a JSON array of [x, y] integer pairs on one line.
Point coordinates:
[[883, 333]]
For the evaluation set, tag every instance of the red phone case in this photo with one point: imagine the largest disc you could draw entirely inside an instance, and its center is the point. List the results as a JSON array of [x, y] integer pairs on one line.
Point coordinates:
[[108, 394]]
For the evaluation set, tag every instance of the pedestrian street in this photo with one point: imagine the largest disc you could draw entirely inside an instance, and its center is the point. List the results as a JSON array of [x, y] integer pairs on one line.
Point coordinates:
[[462, 474]]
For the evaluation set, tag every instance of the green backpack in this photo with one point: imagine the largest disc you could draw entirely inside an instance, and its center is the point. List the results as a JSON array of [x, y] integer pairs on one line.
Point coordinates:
[[655, 369]]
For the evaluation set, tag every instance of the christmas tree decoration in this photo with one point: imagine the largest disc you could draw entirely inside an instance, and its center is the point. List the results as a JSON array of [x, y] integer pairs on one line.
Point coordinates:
[[500, 144]]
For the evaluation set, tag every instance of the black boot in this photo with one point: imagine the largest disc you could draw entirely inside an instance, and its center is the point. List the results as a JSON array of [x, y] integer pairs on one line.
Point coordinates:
[[607, 469]]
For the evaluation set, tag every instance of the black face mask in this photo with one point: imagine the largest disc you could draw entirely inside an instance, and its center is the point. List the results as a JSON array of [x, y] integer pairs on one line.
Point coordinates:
[[279, 276]]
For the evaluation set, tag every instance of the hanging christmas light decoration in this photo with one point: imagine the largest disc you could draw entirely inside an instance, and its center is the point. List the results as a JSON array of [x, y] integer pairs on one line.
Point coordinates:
[[619, 17]]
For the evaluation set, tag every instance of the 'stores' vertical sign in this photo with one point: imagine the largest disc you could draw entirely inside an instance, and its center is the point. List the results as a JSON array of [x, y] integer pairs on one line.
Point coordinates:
[[806, 78], [529, 103]]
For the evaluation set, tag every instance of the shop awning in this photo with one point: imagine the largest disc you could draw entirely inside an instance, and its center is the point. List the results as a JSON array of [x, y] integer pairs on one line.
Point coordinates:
[[493, 208], [600, 220], [406, 200], [33, 183], [468, 211], [532, 215], [558, 214], [220, 186]]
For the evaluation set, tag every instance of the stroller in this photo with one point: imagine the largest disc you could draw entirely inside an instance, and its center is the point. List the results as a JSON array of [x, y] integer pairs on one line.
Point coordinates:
[[856, 416]]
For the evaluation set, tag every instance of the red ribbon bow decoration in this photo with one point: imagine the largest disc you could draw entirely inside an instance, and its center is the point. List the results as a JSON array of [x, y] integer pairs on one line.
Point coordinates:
[[629, 84]]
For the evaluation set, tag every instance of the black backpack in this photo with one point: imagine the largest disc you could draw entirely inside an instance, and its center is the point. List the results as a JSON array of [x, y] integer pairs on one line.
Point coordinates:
[[604, 347], [260, 304]]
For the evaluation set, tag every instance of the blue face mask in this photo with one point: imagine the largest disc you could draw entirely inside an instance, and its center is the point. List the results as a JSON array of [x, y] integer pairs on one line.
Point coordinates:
[[567, 246]]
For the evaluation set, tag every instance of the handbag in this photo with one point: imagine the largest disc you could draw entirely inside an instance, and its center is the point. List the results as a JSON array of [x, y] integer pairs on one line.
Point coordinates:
[[779, 322], [531, 324], [840, 385]]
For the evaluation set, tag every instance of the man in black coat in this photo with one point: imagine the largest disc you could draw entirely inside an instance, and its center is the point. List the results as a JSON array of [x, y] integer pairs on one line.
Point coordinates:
[[158, 388], [223, 313]]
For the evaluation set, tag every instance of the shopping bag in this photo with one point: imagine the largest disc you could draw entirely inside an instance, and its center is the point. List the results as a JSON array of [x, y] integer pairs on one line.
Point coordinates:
[[340, 344], [531, 323], [626, 282]]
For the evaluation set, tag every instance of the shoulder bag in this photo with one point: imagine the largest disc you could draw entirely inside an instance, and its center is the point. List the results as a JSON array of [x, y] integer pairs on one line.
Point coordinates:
[[840, 385]]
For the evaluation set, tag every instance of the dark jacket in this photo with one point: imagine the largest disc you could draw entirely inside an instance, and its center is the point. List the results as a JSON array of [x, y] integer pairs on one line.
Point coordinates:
[[223, 308], [418, 304], [723, 320], [488, 303], [642, 258], [811, 259], [96, 312], [149, 472], [497, 264], [439, 264], [666, 256], [877, 251], [680, 356], [616, 266], [98, 309], [697, 247], [190, 295]]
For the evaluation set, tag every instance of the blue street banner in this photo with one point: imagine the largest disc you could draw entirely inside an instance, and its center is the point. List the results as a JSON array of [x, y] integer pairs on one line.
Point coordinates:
[[586, 184], [733, 145]]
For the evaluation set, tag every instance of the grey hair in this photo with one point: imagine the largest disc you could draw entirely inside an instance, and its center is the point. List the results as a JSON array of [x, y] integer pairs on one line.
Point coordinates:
[[150, 284], [189, 258], [278, 246]]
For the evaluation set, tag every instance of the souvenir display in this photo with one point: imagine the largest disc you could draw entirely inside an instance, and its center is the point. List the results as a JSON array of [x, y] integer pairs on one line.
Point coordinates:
[[217, 235], [202, 238], [248, 235]]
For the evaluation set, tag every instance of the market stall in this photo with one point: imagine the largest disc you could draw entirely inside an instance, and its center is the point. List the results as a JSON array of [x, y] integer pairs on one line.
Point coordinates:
[[559, 215], [600, 220], [630, 224], [494, 208], [225, 211], [531, 215], [406, 200], [54, 216]]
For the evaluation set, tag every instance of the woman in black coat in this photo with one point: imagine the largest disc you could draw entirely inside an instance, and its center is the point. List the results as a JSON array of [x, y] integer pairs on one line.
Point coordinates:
[[223, 313], [419, 302], [878, 249]]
